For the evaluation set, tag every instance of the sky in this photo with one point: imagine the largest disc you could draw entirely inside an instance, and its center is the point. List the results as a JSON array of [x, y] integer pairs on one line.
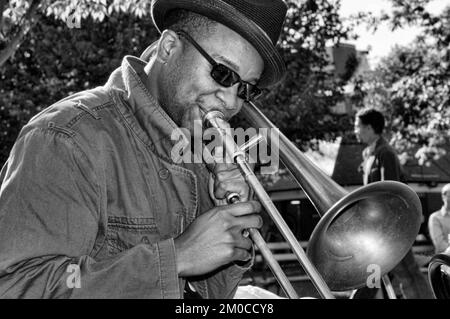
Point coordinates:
[[384, 39]]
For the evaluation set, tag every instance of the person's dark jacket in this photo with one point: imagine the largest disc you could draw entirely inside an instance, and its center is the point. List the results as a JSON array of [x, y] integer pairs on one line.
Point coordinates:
[[381, 163]]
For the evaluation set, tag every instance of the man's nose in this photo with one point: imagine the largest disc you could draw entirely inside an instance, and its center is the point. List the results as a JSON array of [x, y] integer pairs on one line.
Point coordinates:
[[230, 101]]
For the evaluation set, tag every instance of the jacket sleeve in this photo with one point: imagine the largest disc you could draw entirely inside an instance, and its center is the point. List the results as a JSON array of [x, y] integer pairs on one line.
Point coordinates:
[[223, 282], [230, 278], [390, 168], [50, 223], [437, 235]]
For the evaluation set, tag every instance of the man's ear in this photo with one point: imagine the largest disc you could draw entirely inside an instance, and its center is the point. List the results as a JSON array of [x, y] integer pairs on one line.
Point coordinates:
[[169, 44]]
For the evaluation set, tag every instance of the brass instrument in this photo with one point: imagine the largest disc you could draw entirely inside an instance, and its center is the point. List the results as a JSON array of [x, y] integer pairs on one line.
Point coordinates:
[[374, 225], [439, 275]]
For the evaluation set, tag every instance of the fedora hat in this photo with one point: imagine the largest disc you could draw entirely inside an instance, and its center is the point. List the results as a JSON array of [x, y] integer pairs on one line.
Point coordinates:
[[258, 21]]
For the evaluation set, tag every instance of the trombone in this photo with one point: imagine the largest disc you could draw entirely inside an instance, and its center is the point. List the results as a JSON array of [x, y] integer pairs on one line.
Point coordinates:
[[375, 225], [439, 275]]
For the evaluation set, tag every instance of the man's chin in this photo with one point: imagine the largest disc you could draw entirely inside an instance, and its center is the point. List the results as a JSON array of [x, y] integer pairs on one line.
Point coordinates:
[[191, 115]]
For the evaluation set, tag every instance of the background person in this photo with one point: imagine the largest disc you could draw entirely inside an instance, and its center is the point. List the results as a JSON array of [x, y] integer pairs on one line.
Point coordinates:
[[439, 223], [380, 163]]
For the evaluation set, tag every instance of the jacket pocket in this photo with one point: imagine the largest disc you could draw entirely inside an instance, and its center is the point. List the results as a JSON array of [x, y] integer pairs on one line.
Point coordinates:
[[124, 233]]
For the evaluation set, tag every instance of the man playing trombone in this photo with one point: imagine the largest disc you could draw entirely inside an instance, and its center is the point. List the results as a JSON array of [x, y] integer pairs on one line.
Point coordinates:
[[91, 203]]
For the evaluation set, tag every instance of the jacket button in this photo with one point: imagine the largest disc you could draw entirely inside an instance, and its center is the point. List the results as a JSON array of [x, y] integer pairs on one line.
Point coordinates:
[[164, 173], [145, 240]]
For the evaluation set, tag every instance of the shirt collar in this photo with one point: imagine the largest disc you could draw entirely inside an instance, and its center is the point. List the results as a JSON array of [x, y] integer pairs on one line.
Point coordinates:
[[141, 110], [373, 145], [369, 150]]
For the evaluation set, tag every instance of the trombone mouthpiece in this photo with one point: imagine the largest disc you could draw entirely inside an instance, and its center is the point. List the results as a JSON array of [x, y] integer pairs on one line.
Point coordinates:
[[209, 117]]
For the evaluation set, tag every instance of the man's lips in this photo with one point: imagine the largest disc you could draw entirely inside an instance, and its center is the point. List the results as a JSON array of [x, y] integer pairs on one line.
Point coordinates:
[[205, 111]]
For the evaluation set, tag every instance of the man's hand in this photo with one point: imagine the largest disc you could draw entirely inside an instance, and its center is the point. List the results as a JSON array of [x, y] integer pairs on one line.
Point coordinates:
[[226, 178], [215, 238]]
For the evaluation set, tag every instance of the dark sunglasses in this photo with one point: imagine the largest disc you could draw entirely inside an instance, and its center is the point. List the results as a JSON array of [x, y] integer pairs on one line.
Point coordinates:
[[224, 76]]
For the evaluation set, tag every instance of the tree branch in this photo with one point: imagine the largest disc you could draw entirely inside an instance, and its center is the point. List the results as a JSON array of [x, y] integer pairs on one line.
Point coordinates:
[[2, 8], [30, 18]]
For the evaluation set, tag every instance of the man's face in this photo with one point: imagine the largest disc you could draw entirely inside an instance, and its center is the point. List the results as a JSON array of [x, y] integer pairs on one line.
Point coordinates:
[[190, 91], [364, 133]]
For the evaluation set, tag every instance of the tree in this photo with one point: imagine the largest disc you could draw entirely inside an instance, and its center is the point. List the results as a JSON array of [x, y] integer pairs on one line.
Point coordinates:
[[301, 105], [413, 83], [18, 17], [55, 60]]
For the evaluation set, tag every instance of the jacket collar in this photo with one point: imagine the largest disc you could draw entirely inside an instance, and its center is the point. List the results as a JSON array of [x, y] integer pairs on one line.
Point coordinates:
[[375, 146], [140, 109]]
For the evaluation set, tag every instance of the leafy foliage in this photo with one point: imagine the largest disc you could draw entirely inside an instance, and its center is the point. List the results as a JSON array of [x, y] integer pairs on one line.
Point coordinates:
[[17, 17], [301, 104], [97, 10], [413, 85], [55, 61]]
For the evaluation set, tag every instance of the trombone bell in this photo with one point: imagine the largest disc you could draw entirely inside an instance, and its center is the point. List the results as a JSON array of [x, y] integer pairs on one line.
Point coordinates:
[[368, 231], [374, 226]]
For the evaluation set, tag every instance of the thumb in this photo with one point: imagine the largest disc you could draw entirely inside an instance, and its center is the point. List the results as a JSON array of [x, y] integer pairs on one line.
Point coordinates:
[[217, 202]]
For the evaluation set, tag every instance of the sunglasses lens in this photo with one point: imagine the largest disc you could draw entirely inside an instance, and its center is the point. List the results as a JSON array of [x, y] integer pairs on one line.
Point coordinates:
[[249, 92], [255, 93], [224, 76]]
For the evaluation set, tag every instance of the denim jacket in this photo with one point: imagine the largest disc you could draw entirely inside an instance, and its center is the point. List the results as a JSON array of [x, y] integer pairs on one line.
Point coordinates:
[[90, 200]]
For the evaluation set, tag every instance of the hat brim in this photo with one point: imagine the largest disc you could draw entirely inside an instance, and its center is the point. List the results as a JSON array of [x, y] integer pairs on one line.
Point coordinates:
[[274, 67]]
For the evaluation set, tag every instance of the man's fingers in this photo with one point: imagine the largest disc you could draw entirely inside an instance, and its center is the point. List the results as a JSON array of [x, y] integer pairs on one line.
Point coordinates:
[[242, 208], [241, 254], [226, 166], [248, 221], [243, 242], [223, 161], [238, 187], [230, 181]]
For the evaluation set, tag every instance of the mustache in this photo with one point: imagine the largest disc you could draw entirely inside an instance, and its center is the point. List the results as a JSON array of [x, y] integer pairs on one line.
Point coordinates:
[[206, 107]]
